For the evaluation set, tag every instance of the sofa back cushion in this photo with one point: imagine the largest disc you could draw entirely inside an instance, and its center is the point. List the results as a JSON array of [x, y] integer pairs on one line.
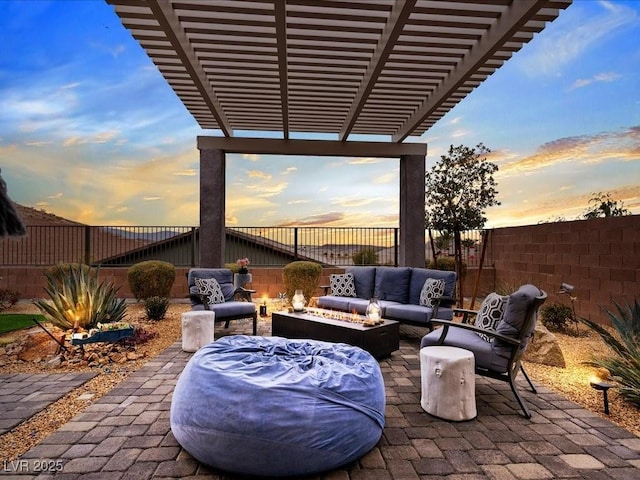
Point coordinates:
[[392, 284], [364, 279], [420, 275], [223, 276]]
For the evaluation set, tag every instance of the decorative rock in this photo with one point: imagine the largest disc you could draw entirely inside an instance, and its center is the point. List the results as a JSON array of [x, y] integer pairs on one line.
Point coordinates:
[[544, 348]]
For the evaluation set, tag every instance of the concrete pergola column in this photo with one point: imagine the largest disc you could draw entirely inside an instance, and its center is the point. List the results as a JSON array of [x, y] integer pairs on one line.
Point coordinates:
[[212, 208], [412, 237]]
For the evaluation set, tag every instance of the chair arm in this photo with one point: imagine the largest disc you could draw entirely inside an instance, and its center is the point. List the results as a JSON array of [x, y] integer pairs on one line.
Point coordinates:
[[326, 289], [244, 293], [436, 304], [204, 299], [492, 333]]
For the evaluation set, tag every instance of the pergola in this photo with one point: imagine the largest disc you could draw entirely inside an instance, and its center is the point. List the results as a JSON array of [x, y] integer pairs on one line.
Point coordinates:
[[388, 68]]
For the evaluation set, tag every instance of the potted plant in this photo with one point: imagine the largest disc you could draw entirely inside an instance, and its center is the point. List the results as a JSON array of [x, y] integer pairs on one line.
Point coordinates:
[[243, 276]]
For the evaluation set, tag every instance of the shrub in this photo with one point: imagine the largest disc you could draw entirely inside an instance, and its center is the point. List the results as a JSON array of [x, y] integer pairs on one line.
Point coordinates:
[[446, 263], [77, 296], [556, 316], [365, 256], [8, 298], [153, 278], [156, 307], [62, 270], [624, 365], [303, 276]]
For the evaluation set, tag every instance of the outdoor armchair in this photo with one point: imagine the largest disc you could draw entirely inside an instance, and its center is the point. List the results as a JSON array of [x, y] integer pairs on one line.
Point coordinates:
[[497, 352], [227, 302]]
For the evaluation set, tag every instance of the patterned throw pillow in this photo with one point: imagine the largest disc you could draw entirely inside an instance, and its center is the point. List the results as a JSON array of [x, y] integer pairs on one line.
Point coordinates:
[[431, 290], [211, 288], [342, 285], [490, 313]]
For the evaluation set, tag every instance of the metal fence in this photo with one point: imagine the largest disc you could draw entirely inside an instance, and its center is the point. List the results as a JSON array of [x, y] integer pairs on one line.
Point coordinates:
[[264, 246]]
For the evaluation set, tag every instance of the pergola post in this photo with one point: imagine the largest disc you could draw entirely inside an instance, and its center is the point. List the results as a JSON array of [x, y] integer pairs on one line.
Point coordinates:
[[412, 236], [212, 208]]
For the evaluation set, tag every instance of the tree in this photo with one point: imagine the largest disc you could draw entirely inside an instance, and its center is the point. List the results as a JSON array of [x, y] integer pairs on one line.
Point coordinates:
[[458, 190], [365, 256], [602, 205]]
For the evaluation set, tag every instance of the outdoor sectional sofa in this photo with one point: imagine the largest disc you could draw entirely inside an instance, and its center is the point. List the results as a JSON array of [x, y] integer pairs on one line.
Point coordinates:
[[398, 289]]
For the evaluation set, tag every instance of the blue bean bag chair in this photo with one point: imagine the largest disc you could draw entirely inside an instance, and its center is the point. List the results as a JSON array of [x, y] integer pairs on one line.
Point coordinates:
[[270, 406]]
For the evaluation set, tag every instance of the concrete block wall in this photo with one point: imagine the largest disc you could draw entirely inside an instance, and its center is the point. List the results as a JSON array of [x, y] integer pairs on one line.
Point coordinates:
[[599, 257]]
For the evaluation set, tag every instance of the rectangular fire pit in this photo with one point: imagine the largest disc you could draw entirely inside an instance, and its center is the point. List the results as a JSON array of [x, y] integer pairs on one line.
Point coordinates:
[[379, 340]]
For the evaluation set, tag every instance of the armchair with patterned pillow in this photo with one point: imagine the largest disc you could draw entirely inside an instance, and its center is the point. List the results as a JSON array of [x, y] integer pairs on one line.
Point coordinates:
[[213, 289]]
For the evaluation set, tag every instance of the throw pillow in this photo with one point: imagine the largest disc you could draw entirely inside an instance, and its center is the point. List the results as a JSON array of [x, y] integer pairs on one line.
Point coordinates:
[[211, 289], [490, 314], [342, 285], [431, 290]]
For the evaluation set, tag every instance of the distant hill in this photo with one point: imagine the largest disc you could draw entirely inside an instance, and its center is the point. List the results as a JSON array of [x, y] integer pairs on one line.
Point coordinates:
[[32, 217]]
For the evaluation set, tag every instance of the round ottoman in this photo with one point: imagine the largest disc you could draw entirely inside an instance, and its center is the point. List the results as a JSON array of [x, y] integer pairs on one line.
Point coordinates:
[[270, 406]]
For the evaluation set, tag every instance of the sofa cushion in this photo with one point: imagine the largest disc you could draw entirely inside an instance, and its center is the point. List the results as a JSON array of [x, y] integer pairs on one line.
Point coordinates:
[[392, 283], [410, 313], [342, 285], [514, 316], [333, 302], [431, 290], [420, 275], [210, 288], [223, 276], [490, 314], [364, 279]]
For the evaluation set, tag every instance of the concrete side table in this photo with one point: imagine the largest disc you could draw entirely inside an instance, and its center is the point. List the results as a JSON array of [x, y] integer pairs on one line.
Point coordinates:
[[197, 329], [448, 382]]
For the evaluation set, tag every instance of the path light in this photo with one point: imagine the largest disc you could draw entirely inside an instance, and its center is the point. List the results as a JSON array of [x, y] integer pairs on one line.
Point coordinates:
[[603, 387], [567, 289], [263, 307]]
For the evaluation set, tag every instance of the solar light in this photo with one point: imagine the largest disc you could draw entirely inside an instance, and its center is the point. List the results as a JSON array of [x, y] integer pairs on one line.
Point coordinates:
[[603, 387]]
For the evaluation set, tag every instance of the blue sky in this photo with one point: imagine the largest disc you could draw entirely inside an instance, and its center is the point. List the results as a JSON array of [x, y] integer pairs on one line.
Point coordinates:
[[89, 129]]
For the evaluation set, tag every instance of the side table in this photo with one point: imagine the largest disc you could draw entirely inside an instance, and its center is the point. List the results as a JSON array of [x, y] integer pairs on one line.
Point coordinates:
[[448, 382], [198, 328]]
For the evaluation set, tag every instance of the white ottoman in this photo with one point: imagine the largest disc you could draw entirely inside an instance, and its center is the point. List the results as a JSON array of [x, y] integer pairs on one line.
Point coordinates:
[[448, 382], [197, 329]]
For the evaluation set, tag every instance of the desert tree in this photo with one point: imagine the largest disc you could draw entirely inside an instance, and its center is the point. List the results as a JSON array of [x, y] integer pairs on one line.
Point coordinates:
[[458, 190], [602, 205]]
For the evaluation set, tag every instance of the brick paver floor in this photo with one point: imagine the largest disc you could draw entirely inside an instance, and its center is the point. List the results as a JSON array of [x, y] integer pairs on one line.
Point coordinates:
[[126, 435], [22, 395]]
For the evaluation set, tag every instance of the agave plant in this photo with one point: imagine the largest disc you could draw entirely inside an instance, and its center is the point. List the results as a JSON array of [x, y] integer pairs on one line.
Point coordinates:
[[78, 297], [624, 366]]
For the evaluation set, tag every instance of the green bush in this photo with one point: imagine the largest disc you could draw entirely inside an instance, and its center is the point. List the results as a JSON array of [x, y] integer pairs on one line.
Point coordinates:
[[624, 365], [556, 316], [8, 298], [153, 278], [77, 296], [303, 276], [446, 263], [365, 256], [156, 307]]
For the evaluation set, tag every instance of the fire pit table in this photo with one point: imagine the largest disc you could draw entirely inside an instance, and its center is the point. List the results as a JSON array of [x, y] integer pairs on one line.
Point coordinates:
[[338, 327]]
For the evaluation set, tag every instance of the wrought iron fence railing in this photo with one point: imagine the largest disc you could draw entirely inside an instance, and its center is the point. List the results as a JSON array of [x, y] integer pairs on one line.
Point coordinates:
[[264, 246]]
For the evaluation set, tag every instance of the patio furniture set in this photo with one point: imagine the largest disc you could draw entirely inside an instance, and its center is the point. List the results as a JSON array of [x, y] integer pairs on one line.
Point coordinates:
[[295, 391]]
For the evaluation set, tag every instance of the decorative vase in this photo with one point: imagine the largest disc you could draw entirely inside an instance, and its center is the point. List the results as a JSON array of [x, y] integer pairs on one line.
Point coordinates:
[[241, 279]]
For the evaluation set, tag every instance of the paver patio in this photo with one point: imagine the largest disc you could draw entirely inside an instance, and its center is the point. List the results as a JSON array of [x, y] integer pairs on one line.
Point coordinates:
[[126, 434]]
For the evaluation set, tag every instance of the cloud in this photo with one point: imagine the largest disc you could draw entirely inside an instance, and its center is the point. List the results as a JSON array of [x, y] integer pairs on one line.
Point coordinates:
[[189, 172], [298, 202], [601, 77], [559, 46], [36, 143], [386, 178], [319, 219], [259, 174], [289, 170], [364, 161], [623, 145], [251, 156], [151, 199], [56, 195]]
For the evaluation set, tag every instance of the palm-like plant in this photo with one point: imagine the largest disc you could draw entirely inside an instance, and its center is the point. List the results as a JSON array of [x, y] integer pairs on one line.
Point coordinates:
[[625, 365], [78, 297]]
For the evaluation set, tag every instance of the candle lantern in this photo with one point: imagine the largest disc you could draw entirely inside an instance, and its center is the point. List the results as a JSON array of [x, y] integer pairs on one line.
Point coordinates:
[[297, 302], [374, 311]]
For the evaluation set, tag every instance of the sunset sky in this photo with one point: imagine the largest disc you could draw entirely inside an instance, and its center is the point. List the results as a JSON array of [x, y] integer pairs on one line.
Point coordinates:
[[90, 130]]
